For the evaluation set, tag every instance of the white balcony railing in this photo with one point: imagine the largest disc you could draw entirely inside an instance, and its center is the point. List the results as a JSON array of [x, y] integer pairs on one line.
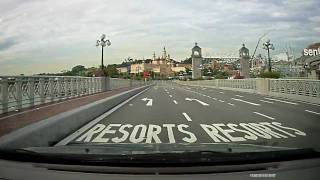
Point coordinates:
[[299, 89], [17, 92]]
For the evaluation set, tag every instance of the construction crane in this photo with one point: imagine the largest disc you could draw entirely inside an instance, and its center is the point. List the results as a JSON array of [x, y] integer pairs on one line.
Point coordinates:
[[254, 52]]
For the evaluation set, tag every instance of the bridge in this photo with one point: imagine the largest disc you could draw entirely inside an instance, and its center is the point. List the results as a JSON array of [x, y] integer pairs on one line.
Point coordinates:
[[273, 112]]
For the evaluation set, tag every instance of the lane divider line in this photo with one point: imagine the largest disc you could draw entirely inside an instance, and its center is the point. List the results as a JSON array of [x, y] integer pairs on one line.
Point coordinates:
[[282, 101], [264, 115], [266, 101], [238, 95], [231, 104], [170, 95], [175, 101], [186, 116], [312, 112], [255, 104]]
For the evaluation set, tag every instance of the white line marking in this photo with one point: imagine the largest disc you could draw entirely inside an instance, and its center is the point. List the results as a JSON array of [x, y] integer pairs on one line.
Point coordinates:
[[167, 92], [312, 112], [246, 102], [130, 104], [266, 101], [149, 103], [95, 121], [214, 98], [238, 95], [170, 95], [221, 92], [282, 101], [175, 101], [231, 104], [186, 116], [264, 115], [202, 103], [221, 100]]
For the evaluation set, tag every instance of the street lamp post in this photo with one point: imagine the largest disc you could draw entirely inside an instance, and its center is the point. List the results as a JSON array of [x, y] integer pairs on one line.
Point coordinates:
[[103, 43], [267, 46]]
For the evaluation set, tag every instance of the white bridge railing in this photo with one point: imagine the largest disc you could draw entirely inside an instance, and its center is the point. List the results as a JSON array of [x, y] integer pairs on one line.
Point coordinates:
[[17, 92], [299, 89]]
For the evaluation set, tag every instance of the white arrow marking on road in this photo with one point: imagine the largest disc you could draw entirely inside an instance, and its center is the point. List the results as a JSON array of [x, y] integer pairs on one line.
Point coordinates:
[[202, 103], [149, 101]]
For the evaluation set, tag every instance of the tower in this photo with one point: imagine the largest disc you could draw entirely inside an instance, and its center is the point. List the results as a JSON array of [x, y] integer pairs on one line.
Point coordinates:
[[154, 56], [244, 61], [196, 62]]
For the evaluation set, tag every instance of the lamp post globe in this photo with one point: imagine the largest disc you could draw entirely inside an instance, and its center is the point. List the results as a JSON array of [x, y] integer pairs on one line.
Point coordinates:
[[103, 43]]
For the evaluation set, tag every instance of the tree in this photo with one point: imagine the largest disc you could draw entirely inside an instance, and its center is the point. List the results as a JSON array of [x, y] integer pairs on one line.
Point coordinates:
[[78, 70], [112, 71]]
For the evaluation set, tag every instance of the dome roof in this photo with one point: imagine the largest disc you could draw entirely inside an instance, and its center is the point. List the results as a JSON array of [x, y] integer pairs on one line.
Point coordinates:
[[196, 46], [243, 48]]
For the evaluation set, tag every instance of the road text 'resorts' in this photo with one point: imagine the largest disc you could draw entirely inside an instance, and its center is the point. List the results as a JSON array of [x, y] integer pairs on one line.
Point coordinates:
[[182, 133]]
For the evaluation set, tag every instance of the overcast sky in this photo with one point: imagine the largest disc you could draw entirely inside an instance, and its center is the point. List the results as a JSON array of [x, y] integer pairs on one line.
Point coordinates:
[[50, 36]]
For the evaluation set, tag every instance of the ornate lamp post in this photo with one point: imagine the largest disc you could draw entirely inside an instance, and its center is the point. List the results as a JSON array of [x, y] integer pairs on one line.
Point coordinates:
[[103, 43], [267, 46]]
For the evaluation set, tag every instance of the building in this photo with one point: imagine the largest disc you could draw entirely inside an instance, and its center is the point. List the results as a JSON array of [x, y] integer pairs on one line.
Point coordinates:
[[244, 61], [196, 62], [311, 64]]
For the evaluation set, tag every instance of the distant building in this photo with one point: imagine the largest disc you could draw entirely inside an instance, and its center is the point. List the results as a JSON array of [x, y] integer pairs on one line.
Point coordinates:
[[244, 61], [311, 64], [196, 62]]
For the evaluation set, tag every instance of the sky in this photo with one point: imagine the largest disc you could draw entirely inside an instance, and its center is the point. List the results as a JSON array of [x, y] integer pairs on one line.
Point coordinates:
[[53, 35]]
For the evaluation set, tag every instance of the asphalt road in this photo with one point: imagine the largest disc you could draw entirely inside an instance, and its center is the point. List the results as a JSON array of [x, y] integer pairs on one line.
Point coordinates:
[[172, 113]]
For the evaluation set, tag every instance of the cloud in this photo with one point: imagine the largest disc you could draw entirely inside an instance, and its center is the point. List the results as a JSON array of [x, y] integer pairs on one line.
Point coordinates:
[[64, 32], [7, 43]]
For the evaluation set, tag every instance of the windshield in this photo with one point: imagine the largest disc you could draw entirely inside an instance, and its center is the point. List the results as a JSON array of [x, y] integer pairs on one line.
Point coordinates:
[[81, 78]]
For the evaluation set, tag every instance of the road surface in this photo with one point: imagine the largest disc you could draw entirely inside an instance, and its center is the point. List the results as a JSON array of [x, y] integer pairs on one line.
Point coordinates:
[[172, 113]]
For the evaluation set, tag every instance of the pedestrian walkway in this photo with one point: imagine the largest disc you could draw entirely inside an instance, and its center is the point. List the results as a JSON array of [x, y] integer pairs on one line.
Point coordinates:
[[15, 120]]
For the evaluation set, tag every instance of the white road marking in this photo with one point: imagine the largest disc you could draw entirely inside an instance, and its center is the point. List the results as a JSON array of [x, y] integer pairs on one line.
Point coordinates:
[[282, 101], [202, 103], [95, 121], [231, 104], [213, 98], [204, 88], [167, 92], [255, 104], [172, 88], [130, 104], [266, 101], [186, 116], [170, 95], [149, 103], [221, 92], [312, 112], [238, 95], [221, 100], [175, 101], [264, 115]]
